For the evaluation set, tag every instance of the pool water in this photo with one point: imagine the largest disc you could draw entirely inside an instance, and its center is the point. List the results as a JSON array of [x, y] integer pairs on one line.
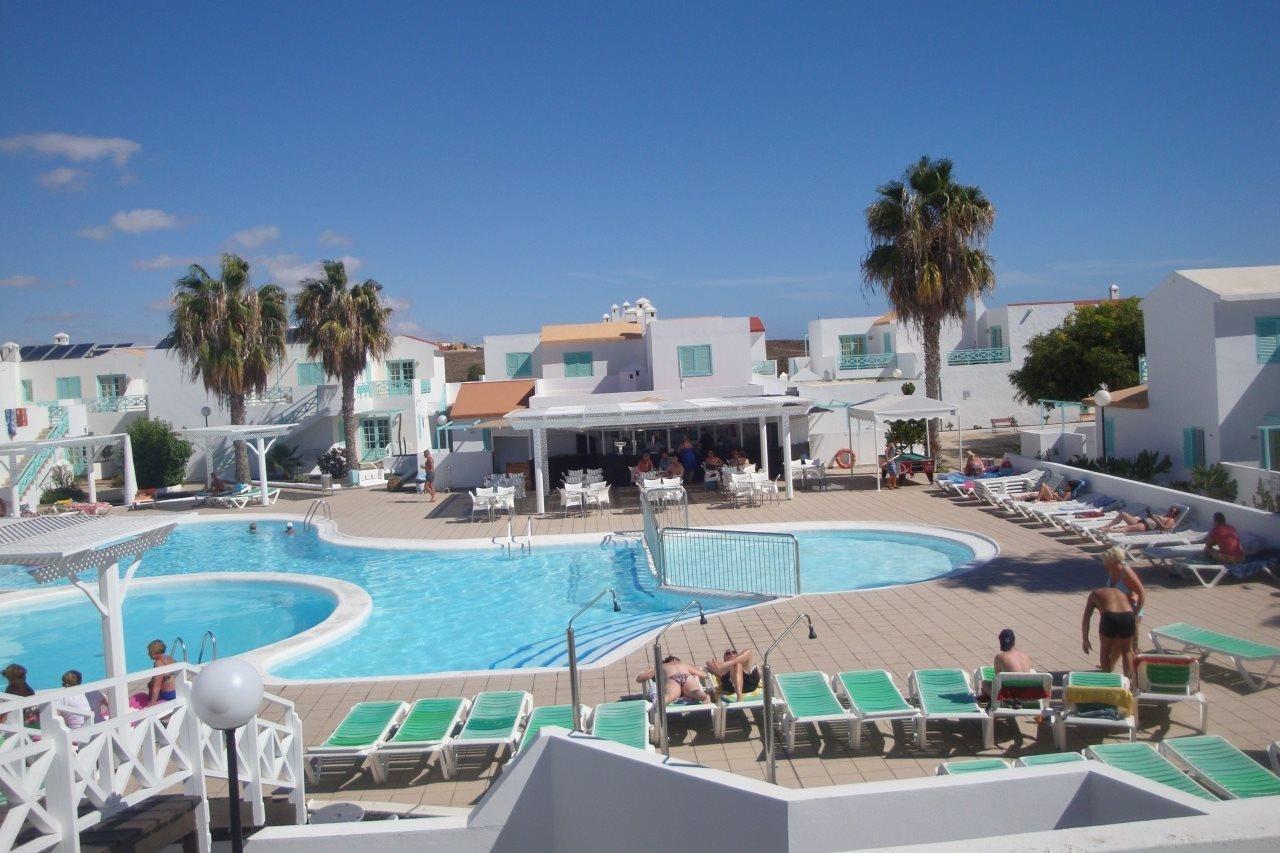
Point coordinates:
[[451, 610], [50, 637]]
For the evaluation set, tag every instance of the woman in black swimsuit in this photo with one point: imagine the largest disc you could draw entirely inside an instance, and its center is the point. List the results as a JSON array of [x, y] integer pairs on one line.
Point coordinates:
[[738, 673]]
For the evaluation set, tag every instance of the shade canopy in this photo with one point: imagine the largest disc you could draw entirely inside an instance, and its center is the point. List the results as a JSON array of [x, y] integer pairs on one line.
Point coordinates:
[[897, 407], [257, 437], [658, 412]]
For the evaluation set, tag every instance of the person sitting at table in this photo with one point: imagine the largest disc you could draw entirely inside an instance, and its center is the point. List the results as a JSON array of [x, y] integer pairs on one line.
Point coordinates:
[[674, 469], [645, 465], [713, 460]]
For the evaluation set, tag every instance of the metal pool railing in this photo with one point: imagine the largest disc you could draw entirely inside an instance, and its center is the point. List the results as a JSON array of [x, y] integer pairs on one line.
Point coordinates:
[[732, 561]]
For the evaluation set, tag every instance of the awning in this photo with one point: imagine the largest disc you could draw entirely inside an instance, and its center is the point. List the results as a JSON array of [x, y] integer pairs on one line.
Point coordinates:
[[896, 407], [591, 332], [484, 400], [656, 412]]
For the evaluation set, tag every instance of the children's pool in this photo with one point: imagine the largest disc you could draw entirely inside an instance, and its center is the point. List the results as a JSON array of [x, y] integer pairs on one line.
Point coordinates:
[[432, 610]]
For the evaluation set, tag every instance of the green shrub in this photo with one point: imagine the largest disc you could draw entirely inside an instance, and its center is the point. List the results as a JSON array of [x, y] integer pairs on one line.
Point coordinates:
[[1144, 467], [160, 455], [1212, 482]]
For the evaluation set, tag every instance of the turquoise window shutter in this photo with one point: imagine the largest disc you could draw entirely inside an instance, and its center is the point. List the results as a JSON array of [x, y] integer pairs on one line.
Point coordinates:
[[888, 342], [1109, 435], [1268, 339], [695, 360], [520, 365], [28, 395], [577, 364], [310, 373], [1188, 447], [68, 387], [997, 337]]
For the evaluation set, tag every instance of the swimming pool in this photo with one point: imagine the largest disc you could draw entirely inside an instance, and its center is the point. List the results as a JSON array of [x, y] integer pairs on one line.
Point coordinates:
[[479, 609]]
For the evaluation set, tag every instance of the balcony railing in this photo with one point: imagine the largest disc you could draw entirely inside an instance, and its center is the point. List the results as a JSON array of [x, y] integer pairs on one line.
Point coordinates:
[[127, 403], [768, 367], [870, 361], [424, 386], [385, 388], [270, 397], [1142, 369], [990, 355]]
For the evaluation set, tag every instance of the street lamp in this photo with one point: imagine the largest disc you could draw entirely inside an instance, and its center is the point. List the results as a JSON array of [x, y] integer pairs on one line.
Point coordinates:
[[660, 683], [573, 652], [1103, 398], [226, 695], [771, 763]]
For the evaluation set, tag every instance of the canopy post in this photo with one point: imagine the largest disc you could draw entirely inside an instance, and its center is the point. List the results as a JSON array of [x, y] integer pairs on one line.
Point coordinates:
[[784, 427], [960, 437], [764, 447], [130, 478], [875, 439], [13, 489], [540, 468], [260, 448], [928, 449], [208, 465], [112, 601], [89, 454]]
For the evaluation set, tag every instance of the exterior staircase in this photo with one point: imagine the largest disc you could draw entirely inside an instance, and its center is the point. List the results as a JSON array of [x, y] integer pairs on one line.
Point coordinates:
[[31, 477]]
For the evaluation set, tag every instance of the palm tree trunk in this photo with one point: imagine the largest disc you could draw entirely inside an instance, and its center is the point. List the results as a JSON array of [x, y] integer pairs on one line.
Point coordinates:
[[349, 420], [237, 407], [933, 373]]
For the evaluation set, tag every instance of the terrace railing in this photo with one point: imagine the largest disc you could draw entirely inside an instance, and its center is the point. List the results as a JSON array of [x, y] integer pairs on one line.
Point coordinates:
[[1142, 369], [870, 361], [385, 388], [730, 561], [127, 403], [990, 355], [768, 367], [270, 397]]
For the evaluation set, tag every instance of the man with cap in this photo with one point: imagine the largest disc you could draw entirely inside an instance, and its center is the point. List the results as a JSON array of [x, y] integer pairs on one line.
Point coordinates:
[[1010, 659]]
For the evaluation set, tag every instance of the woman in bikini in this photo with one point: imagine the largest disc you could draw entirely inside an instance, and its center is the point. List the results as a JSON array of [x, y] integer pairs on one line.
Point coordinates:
[[161, 688], [1133, 524], [683, 680]]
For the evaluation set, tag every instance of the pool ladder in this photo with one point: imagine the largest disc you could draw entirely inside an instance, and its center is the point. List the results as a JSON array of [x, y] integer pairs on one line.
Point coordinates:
[[313, 512], [511, 544], [206, 640]]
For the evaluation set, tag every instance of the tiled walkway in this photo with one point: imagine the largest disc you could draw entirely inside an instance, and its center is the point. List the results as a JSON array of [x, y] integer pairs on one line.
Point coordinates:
[[1037, 586]]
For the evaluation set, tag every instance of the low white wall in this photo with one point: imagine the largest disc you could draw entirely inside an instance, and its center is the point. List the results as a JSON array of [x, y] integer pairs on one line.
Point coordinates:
[[1265, 525], [1052, 442], [1248, 477], [462, 469]]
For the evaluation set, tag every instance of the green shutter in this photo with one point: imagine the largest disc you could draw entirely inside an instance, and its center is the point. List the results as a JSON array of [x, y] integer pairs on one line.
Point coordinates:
[[888, 342], [577, 365], [1192, 447], [1268, 337], [997, 337], [310, 373], [520, 365], [695, 360], [28, 395], [68, 387]]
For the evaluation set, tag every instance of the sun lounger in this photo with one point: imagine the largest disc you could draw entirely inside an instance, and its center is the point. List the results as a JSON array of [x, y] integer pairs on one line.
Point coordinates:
[[683, 709], [1048, 758], [807, 699], [1044, 512], [427, 728], [1188, 638], [1169, 679], [1222, 768], [235, 498], [1136, 541], [545, 716], [1087, 526], [626, 723], [1141, 759], [1020, 695], [1095, 700], [727, 702], [970, 765], [947, 694], [872, 695], [494, 722], [361, 731], [1209, 574]]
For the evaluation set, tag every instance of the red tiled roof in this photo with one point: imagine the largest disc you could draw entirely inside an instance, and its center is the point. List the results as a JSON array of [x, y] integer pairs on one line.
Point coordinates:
[[757, 325], [491, 399]]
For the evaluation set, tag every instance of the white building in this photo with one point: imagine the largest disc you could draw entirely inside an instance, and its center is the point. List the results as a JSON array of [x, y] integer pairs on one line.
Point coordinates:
[[1213, 361]]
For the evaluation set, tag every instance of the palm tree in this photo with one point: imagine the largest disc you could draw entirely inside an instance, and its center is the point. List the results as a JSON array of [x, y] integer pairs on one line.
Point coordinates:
[[344, 327], [928, 237], [229, 335]]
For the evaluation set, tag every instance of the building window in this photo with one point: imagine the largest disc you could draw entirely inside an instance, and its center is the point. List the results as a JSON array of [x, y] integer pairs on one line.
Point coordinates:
[[28, 395], [68, 387], [1192, 447], [888, 341], [1270, 447], [520, 365], [851, 345], [695, 360], [375, 435], [111, 387], [997, 337], [1268, 334], [400, 371], [578, 364], [310, 373]]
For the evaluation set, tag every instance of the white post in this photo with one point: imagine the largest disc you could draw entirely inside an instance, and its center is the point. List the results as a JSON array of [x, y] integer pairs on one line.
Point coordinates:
[[875, 440], [853, 451], [89, 453], [192, 743], [262, 469], [130, 478], [960, 437], [764, 447], [208, 465], [60, 783], [540, 468], [111, 598], [784, 424], [14, 512], [928, 450]]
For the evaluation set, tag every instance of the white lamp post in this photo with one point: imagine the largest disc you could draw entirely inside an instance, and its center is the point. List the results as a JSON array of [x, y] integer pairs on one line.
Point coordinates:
[[1103, 398], [227, 694]]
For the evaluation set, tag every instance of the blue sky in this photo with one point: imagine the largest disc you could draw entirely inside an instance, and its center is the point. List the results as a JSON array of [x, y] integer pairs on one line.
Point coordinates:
[[500, 165]]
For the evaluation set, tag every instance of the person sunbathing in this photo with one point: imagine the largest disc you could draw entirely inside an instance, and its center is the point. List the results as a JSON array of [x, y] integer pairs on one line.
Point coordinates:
[[973, 466], [1048, 495], [683, 681], [738, 673], [1222, 545], [1133, 524]]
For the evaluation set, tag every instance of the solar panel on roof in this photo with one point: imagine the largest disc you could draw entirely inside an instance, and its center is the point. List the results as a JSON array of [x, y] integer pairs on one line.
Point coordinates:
[[34, 353], [78, 350]]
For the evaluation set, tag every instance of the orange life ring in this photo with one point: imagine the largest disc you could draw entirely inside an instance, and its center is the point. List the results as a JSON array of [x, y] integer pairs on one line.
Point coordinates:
[[844, 458]]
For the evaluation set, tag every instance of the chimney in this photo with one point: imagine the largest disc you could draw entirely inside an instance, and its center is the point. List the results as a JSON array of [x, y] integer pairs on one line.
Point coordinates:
[[1115, 292], [62, 338]]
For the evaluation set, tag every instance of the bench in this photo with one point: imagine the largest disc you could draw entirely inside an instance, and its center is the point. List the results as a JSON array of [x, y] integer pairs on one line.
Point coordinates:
[[154, 824], [999, 422]]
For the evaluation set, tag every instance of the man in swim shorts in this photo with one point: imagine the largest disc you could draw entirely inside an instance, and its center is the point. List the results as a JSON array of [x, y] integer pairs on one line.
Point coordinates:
[[1117, 628], [738, 673]]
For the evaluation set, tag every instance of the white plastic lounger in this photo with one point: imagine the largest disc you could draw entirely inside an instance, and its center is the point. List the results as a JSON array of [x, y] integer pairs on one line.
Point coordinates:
[[688, 709], [365, 727], [494, 722], [1168, 679], [427, 728], [1136, 541], [947, 694], [873, 695], [1209, 574], [1021, 695], [1088, 703], [1045, 513], [1182, 637], [624, 722], [970, 765], [808, 700]]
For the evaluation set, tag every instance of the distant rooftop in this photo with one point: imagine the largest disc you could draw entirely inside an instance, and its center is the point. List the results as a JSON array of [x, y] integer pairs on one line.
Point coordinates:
[[1237, 282], [586, 332]]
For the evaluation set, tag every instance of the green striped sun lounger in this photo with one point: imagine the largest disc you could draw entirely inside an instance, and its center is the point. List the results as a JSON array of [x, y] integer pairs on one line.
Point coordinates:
[[1222, 768], [1141, 759], [872, 695], [427, 728], [559, 716], [1048, 758], [493, 722], [1094, 715], [1183, 637], [972, 765], [361, 731], [626, 723], [807, 699], [947, 694]]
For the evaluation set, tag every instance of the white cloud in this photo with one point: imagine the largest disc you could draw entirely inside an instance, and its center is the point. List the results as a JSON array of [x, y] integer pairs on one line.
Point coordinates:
[[399, 304], [288, 270], [64, 178], [138, 221], [95, 232], [168, 262], [255, 237], [407, 327], [329, 237], [19, 281], [77, 149]]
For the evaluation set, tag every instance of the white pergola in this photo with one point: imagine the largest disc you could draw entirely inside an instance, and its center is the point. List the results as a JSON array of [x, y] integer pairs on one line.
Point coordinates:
[[28, 449], [896, 407], [67, 546], [257, 437], [644, 414]]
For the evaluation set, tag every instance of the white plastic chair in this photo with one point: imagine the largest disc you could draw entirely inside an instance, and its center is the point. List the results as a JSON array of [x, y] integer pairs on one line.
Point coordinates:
[[482, 504], [573, 496], [505, 499], [598, 495]]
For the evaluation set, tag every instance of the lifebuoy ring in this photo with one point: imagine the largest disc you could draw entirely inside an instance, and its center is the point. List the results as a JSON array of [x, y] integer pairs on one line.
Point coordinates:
[[844, 458]]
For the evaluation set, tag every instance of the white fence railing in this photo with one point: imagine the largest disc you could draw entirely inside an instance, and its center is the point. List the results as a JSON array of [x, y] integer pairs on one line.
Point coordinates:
[[58, 782]]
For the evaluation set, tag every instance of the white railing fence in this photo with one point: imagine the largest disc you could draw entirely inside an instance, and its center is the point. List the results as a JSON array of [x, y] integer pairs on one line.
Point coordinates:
[[59, 781]]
